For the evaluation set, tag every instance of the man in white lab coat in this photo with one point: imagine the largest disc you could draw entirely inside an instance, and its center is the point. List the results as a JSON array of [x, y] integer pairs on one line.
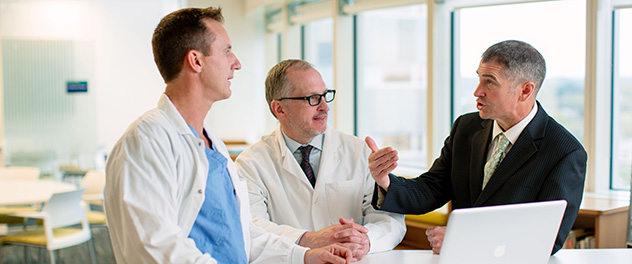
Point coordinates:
[[307, 181], [172, 194]]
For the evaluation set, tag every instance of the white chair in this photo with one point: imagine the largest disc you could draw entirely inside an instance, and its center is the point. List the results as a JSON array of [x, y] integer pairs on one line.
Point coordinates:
[[94, 182], [19, 173], [60, 215]]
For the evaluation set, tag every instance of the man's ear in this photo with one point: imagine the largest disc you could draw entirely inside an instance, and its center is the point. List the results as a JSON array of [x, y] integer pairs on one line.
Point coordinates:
[[277, 108], [193, 60], [527, 89]]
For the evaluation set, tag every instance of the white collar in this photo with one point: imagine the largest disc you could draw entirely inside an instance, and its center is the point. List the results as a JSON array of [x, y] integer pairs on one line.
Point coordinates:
[[514, 132], [317, 142]]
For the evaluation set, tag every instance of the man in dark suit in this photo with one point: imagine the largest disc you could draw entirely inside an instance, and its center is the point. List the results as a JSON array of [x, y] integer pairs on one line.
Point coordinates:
[[511, 151]]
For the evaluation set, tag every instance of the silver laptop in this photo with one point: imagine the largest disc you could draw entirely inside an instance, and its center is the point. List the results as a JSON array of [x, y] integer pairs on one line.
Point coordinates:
[[516, 233]]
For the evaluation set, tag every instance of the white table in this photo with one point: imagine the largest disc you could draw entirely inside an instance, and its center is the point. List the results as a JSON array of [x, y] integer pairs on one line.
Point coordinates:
[[30, 192], [564, 256]]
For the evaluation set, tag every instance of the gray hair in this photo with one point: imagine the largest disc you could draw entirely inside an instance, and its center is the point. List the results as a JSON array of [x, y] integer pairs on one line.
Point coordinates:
[[522, 62], [278, 84]]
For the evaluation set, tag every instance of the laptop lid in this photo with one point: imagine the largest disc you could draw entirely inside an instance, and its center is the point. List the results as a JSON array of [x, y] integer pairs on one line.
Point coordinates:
[[515, 233]]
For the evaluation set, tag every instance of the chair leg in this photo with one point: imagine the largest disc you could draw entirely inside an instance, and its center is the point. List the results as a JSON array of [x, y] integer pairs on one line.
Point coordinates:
[[93, 255], [52, 256]]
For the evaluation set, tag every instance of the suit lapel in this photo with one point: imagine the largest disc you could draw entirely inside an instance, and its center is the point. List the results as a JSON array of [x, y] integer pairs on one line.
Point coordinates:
[[480, 145], [526, 146]]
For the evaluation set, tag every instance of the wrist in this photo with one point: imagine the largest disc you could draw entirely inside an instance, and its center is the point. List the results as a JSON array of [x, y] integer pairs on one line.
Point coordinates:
[[304, 240]]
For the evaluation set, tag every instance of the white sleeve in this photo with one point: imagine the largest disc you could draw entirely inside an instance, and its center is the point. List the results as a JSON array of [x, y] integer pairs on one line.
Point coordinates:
[[258, 195], [270, 248], [141, 204], [386, 230]]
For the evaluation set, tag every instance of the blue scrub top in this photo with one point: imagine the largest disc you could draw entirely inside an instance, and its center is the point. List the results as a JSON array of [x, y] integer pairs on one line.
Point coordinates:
[[217, 228]]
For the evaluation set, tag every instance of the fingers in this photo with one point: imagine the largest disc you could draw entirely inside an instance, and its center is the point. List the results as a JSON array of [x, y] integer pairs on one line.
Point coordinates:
[[348, 223], [337, 254], [352, 226], [358, 250], [371, 143], [345, 221], [351, 236], [381, 163], [435, 238], [383, 157], [381, 169]]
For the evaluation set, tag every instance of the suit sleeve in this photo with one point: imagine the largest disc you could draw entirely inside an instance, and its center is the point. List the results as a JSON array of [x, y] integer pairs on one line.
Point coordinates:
[[566, 182]]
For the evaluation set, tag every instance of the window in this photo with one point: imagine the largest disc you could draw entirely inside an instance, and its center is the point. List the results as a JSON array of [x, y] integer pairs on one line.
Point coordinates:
[[318, 47], [391, 81], [622, 101], [561, 42], [318, 50]]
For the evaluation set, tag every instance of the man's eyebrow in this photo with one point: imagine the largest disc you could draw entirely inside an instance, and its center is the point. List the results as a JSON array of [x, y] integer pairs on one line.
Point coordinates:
[[489, 76]]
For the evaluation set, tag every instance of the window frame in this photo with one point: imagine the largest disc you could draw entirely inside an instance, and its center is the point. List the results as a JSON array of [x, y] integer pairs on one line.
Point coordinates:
[[597, 91]]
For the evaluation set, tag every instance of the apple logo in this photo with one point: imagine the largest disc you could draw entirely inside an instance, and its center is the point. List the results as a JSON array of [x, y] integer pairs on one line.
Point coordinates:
[[499, 251]]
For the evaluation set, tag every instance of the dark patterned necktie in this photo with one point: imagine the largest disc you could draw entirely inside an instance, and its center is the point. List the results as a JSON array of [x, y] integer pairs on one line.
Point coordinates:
[[307, 168]]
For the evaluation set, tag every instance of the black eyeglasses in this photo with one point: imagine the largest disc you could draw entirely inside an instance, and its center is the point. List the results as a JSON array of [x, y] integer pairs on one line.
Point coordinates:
[[314, 99]]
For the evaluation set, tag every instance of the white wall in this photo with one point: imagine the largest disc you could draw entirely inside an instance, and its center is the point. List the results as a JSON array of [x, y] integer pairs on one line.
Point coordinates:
[[127, 82], [243, 115]]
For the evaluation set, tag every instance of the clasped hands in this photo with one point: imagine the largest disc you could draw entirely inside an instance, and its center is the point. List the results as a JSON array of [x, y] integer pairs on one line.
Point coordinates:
[[342, 243]]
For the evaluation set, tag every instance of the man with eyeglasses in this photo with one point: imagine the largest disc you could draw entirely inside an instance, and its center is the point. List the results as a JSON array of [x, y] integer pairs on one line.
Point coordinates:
[[309, 182], [172, 193]]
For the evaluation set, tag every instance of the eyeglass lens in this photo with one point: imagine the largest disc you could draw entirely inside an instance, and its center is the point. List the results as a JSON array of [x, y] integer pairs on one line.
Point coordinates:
[[315, 99]]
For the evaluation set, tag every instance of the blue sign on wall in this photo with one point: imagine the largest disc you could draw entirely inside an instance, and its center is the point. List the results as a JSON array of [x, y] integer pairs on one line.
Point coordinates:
[[77, 87]]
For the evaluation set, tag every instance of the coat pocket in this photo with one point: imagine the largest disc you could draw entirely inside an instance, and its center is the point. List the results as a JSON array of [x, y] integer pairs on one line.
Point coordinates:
[[345, 200]]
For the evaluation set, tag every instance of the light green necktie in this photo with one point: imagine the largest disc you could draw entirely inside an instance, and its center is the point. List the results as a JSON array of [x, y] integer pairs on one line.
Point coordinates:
[[496, 158]]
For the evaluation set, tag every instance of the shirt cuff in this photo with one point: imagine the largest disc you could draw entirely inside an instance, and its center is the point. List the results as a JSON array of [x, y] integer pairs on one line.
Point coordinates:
[[381, 195], [297, 256], [299, 238]]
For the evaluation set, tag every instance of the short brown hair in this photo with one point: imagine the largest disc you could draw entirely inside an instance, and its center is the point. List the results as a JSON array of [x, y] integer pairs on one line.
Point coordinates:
[[178, 33], [277, 83]]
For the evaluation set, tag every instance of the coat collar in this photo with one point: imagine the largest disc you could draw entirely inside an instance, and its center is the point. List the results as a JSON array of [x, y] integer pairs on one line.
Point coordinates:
[[329, 157]]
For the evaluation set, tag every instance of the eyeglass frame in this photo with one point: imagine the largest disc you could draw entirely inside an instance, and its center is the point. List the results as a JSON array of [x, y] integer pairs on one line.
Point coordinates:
[[309, 98]]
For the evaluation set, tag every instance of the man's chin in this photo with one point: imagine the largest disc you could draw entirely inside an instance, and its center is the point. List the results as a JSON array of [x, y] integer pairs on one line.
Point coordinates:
[[482, 115]]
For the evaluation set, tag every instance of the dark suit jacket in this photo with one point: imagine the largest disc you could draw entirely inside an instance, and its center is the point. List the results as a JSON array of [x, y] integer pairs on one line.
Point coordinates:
[[545, 163]]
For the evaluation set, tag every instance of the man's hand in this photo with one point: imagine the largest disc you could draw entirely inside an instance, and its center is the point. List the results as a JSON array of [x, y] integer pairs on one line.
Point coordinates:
[[359, 250], [346, 232], [381, 163], [330, 254], [435, 237]]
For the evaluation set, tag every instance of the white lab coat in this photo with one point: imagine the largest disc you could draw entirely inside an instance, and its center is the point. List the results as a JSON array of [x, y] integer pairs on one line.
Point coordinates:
[[283, 201], [155, 184]]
